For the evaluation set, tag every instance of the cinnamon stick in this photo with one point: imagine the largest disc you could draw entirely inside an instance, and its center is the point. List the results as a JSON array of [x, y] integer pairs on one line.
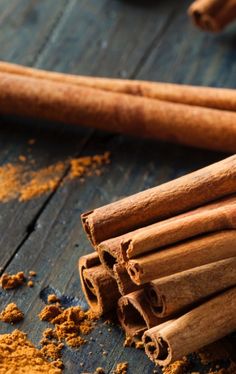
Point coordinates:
[[125, 284], [218, 98], [216, 216], [189, 254], [156, 119], [99, 288], [213, 15], [135, 314], [172, 294], [161, 202], [201, 326]]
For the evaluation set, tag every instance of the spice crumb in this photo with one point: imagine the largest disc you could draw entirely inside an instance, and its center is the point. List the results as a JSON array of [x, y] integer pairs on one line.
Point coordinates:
[[11, 314], [52, 298], [139, 345], [31, 141], [128, 342], [22, 158], [30, 283], [32, 273]]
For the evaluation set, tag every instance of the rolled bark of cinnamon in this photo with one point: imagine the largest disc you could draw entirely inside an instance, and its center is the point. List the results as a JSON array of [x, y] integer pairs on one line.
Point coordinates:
[[218, 98], [125, 284], [156, 119], [212, 15], [172, 294], [135, 314], [99, 288], [196, 252], [193, 331], [161, 202], [217, 216]]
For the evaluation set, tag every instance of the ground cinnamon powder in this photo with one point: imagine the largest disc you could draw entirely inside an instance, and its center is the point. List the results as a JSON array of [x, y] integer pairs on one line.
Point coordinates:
[[11, 314], [18, 181], [8, 281], [178, 367], [69, 324], [18, 355]]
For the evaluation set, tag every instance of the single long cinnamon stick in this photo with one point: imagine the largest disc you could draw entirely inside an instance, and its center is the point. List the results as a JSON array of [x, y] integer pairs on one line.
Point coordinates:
[[213, 15], [201, 326], [218, 98], [99, 288], [195, 252], [170, 295], [216, 216], [119, 113], [161, 202], [135, 314]]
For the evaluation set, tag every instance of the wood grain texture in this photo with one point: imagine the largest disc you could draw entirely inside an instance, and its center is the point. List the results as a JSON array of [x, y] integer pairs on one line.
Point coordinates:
[[110, 38]]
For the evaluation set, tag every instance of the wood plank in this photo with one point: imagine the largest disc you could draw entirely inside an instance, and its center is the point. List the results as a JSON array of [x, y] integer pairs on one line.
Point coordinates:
[[26, 26], [110, 37]]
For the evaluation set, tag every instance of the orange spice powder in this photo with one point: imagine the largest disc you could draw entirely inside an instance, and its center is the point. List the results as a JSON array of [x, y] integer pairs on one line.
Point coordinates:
[[69, 324], [18, 355], [11, 314], [19, 181]]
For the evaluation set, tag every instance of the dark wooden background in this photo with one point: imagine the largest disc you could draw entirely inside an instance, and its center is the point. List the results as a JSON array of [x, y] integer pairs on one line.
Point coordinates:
[[151, 40]]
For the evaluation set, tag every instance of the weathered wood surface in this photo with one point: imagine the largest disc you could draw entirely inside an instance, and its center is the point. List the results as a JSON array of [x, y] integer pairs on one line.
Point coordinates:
[[143, 39]]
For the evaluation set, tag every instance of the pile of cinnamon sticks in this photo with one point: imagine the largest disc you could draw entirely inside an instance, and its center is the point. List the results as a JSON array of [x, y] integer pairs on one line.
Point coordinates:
[[165, 258], [196, 116], [212, 15]]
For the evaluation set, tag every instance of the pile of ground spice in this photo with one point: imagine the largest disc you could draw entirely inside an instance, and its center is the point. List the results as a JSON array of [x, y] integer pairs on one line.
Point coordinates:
[[69, 325], [8, 281], [11, 314], [19, 355], [12, 281], [18, 181]]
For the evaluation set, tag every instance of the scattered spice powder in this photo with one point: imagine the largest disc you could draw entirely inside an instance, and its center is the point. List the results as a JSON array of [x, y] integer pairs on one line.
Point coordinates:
[[178, 367], [12, 281], [121, 368], [11, 314], [19, 181], [11, 179], [18, 355]]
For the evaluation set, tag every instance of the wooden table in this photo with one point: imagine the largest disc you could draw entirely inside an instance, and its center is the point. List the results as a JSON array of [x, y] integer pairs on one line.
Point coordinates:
[[151, 40]]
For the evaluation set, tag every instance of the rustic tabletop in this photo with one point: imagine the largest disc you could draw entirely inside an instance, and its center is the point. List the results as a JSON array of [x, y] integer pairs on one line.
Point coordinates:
[[151, 40]]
